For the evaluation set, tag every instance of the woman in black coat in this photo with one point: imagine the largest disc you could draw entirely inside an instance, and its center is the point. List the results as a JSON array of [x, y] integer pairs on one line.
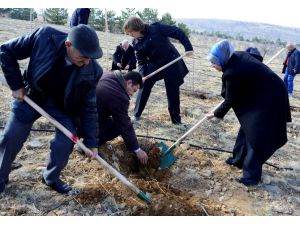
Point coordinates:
[[154, 50], [260, 101]]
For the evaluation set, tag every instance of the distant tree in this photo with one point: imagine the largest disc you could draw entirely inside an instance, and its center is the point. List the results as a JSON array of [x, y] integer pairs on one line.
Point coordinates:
[[22, 13], [56, 15], [280, 42], [111, 21], [167, 19], [97, 19], [239, 37], [125, 14], [5, 11], [185, 29], [149, 15]]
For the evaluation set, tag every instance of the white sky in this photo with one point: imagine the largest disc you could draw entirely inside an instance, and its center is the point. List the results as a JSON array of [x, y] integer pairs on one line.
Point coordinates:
[[280, 12]]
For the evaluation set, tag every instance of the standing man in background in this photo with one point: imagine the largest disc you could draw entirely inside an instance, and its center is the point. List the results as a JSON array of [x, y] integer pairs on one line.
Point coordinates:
[[291, 67], [80, 16]]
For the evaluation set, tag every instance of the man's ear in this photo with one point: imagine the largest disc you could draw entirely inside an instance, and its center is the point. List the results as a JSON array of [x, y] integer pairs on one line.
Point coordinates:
[[68, 44], [129, 82]]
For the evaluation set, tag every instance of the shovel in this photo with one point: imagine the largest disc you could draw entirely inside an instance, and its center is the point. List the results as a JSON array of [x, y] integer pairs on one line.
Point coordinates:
[[163, 67], [168, 158]]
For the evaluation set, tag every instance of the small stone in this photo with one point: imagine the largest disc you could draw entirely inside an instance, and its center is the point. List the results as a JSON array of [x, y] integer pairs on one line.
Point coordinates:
[[224, 189], [208, 193], [218, 188], [34, 143], [221, 198], [266, 179], [185, 146], [206, 173]]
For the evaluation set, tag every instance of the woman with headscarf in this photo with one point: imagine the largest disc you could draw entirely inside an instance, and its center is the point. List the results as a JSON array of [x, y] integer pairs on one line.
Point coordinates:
[[259, 99]]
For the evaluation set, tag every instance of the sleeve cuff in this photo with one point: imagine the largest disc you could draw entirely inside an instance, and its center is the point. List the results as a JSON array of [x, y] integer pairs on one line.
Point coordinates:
[[137, 150]]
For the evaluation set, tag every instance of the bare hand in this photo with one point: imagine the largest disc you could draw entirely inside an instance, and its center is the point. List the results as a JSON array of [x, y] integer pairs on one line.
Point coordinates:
[[93, 153], [210, 115], [142, 156], [119, 65], [189, 53], [19, 94], [127, 67]]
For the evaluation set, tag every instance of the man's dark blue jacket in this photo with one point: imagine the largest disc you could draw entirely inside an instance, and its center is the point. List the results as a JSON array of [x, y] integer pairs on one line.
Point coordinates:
[[80, 16], [43, 47]]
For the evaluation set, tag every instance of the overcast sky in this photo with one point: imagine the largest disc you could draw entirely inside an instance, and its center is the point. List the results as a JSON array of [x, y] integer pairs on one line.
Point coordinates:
[[280, 12]]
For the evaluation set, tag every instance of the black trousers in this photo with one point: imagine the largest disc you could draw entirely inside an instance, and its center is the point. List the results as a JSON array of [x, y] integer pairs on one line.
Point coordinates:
[[244, 156], [173, 95]]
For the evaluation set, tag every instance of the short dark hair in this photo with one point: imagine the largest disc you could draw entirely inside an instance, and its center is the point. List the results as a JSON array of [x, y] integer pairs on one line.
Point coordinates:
[[135, 77], [134, 23]]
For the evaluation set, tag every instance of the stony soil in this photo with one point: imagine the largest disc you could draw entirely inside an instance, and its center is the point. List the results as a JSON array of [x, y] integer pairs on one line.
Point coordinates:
[[199, 183]]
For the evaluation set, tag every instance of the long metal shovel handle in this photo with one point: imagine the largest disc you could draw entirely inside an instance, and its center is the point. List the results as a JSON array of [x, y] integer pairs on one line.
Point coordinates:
[[191, 130], [76, 140], [163, 67]]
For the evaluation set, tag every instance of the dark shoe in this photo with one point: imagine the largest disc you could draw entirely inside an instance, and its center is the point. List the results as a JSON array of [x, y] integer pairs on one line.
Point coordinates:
[[59, 186], [230, 161], [16, 165], [181, 125], [248, 182]]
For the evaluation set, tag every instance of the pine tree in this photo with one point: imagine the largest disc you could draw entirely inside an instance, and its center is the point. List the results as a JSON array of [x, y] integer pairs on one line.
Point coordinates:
[[56, 15], [22, 13], [185, 29], [149, 15], [167, 19]]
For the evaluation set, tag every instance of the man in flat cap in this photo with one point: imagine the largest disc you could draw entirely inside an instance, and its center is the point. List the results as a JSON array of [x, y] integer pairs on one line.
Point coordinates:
[[60, 77]]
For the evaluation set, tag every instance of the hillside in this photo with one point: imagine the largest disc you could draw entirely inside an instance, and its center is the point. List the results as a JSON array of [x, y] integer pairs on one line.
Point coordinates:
[[248, 30]]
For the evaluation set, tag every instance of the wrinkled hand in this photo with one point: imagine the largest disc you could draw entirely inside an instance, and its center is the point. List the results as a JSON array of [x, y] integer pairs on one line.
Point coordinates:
[[127, 67], [142, 156], [19, 94], [119, 65], [189, 53], [210, 115], [93, 153]]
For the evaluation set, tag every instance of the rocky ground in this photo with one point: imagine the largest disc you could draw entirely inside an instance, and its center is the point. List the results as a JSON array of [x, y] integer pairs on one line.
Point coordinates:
[[199, 183]]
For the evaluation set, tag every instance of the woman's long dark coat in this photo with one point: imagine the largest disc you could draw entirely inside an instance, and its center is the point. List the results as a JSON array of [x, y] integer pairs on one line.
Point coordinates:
[[260, 101]]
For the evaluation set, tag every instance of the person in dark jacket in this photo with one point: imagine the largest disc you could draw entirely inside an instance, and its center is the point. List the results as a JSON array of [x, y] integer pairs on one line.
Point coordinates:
[[113, 96], [80, 16], [291, 67], [259, 99], [124, 57], [61, 78], [154, 50], [255, 53]]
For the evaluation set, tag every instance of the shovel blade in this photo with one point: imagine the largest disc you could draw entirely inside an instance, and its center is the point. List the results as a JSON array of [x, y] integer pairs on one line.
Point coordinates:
[[168, 159]]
